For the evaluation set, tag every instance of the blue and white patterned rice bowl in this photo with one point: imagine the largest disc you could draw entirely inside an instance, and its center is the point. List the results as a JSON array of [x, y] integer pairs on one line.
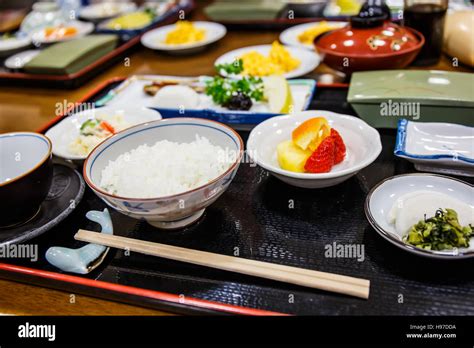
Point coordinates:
[[178, 210]]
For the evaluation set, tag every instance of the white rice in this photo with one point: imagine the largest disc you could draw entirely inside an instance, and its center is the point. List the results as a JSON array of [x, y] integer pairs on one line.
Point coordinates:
[[166, 168]]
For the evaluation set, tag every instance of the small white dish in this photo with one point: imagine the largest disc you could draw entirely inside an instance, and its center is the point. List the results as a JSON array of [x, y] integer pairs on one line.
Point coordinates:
[[154, 39], [309, 60], [66, 131], [105, 10], [83, 28], [178, 210], [290, 35], [19, 60], [362, 142], [445, 148], [12, 45], [382, 197]]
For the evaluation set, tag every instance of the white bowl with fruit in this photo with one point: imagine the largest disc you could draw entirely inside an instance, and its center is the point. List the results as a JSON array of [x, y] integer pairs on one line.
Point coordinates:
[[314, 149]]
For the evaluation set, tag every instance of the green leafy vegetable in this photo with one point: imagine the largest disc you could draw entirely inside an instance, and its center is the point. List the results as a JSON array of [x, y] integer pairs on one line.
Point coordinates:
[[234, 68], [440, 232], [88, 126], [222, 90]]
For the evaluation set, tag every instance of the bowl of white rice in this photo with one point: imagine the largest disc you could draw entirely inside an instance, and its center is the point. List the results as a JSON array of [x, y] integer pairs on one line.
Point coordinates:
[[166, 172]]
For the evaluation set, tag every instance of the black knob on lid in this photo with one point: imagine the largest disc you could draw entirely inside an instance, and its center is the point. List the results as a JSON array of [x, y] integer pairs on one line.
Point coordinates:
[[372, 14]]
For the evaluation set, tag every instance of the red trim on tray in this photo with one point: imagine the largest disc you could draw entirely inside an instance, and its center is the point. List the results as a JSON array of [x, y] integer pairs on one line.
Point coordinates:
[[332, 85], [157, 295]]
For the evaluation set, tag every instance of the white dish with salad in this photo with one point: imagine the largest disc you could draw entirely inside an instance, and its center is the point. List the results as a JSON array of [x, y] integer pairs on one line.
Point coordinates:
[[76, 135]]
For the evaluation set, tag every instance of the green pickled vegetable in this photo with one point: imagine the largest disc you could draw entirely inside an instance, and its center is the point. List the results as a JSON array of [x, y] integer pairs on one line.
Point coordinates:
[[440, 232], [88, 126]]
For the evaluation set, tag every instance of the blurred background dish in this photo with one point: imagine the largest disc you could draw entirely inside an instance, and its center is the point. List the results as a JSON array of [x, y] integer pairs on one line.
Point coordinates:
[[157, 39], [63, 32], [107, 9], [43, 14], [10, 44], [144, 18], [340, 8], [303, 35], [19, 60]]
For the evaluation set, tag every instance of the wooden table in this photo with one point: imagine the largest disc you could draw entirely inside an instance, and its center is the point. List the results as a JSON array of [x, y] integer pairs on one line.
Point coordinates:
[[29, 108]]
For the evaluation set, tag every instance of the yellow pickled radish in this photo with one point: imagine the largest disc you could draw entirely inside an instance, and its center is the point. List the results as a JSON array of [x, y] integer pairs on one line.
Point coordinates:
[[291, 157]]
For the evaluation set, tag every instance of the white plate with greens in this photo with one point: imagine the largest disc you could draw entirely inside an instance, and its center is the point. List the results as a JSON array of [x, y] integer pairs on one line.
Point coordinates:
[[411, 212], [194, 102]]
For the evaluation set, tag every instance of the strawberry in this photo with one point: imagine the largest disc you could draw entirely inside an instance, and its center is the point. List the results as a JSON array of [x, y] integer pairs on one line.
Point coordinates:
[[322, 159], [340, 150]]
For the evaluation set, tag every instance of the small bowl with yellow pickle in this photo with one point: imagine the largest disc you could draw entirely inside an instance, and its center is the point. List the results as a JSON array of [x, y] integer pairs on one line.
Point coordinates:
[[184, 37], [314, 149]]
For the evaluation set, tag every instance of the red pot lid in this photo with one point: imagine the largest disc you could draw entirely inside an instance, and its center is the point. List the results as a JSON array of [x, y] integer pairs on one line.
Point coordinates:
[[386, 39]]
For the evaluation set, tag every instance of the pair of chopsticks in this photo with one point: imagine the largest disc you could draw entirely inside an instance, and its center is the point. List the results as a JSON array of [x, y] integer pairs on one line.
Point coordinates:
[[314, 279]]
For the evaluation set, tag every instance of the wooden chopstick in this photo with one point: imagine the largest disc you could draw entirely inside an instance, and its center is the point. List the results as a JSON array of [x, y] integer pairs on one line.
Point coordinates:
[[314, 279]]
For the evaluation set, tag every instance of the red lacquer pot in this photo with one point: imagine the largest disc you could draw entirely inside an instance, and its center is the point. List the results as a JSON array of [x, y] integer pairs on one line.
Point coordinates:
[[369, 42]]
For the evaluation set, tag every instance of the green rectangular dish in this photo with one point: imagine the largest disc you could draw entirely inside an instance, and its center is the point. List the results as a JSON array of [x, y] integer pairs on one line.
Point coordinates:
[[383, 97], [71, 56]]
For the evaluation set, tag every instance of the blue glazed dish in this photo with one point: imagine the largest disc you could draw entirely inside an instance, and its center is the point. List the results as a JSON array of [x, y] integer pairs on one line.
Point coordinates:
[[116, 97], [436, 147], [235, 117], [127, 34]]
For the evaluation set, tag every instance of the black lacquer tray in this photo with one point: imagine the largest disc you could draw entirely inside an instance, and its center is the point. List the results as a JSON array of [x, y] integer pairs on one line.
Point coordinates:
[[267, 220]]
